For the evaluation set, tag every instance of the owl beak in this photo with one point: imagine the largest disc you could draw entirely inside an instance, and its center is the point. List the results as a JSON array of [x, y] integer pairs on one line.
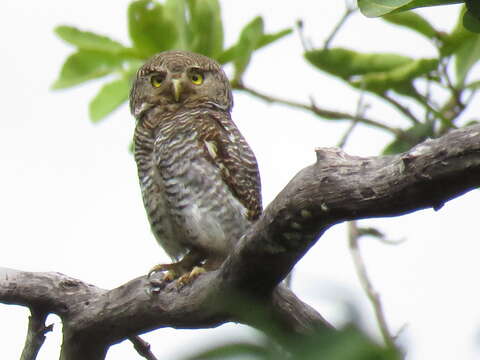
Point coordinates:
[[177, 89]]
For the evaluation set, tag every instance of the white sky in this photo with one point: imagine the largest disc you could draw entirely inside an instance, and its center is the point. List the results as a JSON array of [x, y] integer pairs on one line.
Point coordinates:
[[70, 199]]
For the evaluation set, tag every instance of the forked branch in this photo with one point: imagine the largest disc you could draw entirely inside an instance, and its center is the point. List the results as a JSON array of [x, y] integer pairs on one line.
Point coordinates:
[[338, 187]]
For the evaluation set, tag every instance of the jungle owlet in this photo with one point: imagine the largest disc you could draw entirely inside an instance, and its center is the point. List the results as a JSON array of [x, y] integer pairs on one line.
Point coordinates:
[[199, 178]]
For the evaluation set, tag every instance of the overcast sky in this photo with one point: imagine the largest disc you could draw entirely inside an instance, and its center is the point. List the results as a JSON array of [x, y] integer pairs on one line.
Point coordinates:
[[70, 200]]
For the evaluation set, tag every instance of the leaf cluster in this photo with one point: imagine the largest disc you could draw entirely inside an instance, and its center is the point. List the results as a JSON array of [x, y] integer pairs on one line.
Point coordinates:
[[153, 27], [394, 77]]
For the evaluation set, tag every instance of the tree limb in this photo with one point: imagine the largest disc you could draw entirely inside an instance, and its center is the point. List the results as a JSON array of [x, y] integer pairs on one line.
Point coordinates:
[[35, 334], [338, 187]]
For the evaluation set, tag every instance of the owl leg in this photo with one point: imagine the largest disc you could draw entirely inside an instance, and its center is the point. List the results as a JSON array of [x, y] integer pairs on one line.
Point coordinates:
[[179, 268]]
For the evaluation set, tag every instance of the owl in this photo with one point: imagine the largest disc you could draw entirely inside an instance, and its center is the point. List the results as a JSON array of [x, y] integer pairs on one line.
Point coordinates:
[[199, 178]]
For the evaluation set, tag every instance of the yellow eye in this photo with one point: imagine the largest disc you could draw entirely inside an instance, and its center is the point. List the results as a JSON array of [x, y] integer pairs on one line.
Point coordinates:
[[196, 78], [156, 80]]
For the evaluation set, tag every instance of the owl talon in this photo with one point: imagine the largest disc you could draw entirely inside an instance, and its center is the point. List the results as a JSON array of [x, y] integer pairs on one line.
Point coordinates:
[[190, 276], [169, 268]]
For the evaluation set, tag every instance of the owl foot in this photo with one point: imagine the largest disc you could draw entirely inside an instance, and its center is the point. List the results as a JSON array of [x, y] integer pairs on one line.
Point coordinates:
[[190, 276], [173, 271], [177, 269]]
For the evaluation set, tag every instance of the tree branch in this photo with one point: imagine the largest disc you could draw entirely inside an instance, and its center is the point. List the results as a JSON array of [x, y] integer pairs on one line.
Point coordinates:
[[142, 347], [35, 334], [397, 105], [327, 114], [338, 187]]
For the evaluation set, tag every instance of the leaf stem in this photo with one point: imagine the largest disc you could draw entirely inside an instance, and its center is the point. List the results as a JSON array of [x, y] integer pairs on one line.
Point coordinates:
[[403, 109]]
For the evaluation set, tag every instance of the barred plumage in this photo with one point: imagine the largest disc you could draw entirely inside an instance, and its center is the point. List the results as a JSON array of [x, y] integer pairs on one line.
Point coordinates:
[[199, 178]]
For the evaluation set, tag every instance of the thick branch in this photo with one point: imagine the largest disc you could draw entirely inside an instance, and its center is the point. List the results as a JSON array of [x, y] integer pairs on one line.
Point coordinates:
[[341, 187], [336, 188]]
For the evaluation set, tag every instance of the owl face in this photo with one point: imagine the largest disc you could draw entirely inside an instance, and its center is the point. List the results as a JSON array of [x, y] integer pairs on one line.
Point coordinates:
[[172, 80]]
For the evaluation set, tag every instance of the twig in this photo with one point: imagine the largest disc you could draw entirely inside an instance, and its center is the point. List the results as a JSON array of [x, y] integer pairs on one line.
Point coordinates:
[[403, 109], [306, 43], [456, 93], [358, 113], [343, 140], [378, 235], [353, 237], [348, 11], [35, 334], [328, 114], [446, 115], [142, 347], [354, 234]]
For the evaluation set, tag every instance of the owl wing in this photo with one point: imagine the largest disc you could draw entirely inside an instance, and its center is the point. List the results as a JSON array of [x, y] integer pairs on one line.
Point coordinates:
[[225, 147]]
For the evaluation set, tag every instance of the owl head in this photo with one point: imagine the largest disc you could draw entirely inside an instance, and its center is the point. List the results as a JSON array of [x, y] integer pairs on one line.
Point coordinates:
[[172, 80]]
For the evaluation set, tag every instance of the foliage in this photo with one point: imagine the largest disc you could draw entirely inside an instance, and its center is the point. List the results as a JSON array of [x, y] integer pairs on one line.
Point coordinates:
[[373, 8], [193, 25], [345, 344], [393, 77]]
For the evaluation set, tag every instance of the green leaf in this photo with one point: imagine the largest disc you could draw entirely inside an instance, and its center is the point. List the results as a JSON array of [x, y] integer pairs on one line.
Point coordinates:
[[110, 97], [85, 65], [473, 86], [398, 79], [227, 55], [412, 21], [466, 57], [266, 39], [249, 39], [374, 8], [411, 137], [175, 11], [457, 37], [345, 63], [233, 351], [415, 4], [345, 344], [471, 22], [87, 40], [473, 7], [150, 29], [206, 27]]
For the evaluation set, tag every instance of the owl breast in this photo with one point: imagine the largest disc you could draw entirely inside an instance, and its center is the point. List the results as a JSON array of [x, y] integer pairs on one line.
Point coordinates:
[[189, 205]]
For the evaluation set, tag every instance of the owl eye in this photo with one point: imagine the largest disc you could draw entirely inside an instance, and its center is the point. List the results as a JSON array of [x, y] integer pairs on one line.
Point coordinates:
[[196, 78], [156, 80]]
